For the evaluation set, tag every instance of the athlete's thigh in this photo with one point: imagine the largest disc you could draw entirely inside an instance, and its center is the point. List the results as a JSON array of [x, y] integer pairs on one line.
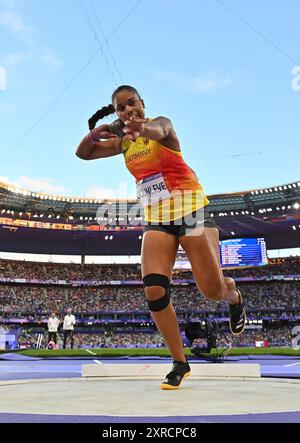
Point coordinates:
[[158, 253], [203, 253]]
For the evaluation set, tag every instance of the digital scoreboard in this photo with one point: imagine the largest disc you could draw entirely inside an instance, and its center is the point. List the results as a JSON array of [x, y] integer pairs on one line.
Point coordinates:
[[235, 252], [243, 252]]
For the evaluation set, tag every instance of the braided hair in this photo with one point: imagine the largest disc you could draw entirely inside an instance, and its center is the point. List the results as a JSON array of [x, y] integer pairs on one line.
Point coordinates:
[[117, 126], [103, 112]]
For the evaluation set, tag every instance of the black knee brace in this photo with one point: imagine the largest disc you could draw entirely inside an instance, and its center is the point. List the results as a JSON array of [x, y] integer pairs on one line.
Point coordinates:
[[164, 282]]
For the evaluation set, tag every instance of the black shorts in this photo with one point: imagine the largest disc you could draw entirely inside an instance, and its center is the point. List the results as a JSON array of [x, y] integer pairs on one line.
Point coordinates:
[[182, 226]]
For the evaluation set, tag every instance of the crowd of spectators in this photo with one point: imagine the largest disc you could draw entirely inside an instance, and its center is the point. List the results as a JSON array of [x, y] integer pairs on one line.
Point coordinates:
[[34, 302], [29, 338], [67, 271], [43, 299], [279, 336], [94, 272]]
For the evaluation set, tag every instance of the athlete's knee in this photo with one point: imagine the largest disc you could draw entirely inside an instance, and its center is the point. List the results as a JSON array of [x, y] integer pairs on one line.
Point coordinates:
[[154, 292], [157, 289]]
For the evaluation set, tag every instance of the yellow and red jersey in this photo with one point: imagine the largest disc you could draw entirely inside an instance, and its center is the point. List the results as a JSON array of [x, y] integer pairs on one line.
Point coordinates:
[[146, 158]]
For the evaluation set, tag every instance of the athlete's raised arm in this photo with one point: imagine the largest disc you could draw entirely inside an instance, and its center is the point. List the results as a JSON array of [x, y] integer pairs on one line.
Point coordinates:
[[92, 147]]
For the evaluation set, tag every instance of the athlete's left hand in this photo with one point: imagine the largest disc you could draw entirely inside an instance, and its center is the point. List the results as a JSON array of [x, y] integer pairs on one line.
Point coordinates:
[[134, 128]]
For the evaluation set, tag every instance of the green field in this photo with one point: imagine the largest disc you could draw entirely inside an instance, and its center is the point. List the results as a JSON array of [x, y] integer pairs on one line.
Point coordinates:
[[148, 352]]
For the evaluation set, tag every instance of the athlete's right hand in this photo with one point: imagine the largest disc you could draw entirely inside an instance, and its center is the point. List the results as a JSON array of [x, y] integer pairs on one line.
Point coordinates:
[[102, 133]]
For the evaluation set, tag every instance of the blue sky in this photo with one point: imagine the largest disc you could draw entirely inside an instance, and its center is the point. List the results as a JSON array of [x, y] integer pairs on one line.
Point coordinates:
[[224, 71]]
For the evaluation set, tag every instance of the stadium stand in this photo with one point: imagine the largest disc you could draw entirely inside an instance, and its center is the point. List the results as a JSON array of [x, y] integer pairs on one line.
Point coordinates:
[[117, 315], [108, 300]]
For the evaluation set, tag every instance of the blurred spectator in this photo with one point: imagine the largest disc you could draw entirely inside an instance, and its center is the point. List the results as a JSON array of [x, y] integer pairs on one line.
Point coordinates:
[[53, 324], [68, 328]]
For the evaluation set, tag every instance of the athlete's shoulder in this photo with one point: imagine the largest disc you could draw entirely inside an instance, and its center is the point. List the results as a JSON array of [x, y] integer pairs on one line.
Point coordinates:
[[161, 118], [170, 140]]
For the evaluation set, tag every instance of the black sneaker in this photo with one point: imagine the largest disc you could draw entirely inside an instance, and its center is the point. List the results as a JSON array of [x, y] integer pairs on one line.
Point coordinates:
[[180, 370], [237, 316]]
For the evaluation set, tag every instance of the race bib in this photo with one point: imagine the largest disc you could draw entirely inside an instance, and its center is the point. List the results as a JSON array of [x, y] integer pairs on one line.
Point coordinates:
[[152, 189]]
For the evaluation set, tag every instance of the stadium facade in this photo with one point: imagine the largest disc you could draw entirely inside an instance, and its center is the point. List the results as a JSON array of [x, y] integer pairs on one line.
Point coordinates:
[[37, 223]]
